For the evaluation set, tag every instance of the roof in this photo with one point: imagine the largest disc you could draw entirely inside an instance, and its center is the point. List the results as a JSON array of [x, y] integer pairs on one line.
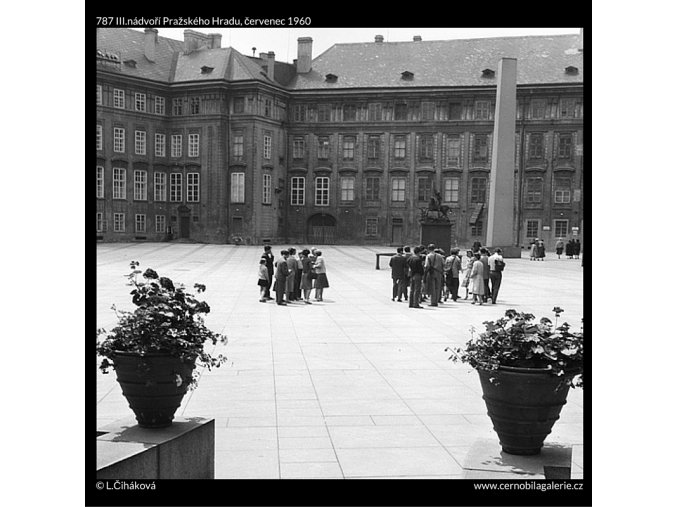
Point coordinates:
[[171, 64], [458, 63]]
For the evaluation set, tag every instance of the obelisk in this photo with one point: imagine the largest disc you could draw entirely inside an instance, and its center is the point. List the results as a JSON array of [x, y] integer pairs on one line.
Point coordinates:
[[500, 220]]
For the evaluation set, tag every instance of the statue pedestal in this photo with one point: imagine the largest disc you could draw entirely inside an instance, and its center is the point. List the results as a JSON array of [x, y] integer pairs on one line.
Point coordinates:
[[437, 233]]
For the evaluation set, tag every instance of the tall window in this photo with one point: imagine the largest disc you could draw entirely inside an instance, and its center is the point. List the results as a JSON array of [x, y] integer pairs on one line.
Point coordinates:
[[118, 140], [160, 223], [399, 185], [561, 228], [536, 146], [177, 145], [267, 188], [375, 112], [481, 148], [324, 113], [401, 111], [140, 102], [348, 148], [347, 188], [99, 222], [140, 185], [175, 187], [118, 222], [371, 227], [482, 109], [300, 112], [238, 105], [99, 95], [538, 109], [323, 148], [177, 106], [267, 146], [119, 183], [427, 111], [298, 191], [193, 187], [455, 110], [565, 141], [99, 181], [299, 147], [195, 105], [160, 193], [567, 108], [562, 191], [140, 223], [193, 145], [140, 142], [267, 107], [159, 105], [349, 112], [534, 190], [118, 98], [374, 147], [238, 146], [478, 190], [450, 188], [476, 229], [400, 147], [424, 189], [426, 144], [321, 191], [237, 187], [372, 188], [454, 150], [532, 229], [99, 137], [160, 145]]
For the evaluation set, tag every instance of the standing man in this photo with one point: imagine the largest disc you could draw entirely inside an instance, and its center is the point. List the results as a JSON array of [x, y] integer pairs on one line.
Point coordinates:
[[281, 272], [270, 259], [415, 264], [496, 265], [407, 275], [292, 265], [434, 267], [452, 269], [484, 258], [398, 266]]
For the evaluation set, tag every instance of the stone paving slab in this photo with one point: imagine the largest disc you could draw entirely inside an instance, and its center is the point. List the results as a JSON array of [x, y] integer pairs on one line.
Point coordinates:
[[356, 386]]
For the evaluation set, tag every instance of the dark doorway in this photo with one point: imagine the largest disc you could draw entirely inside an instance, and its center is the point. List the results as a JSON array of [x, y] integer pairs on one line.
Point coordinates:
[[396, 237], [184, 226], [322, 229]]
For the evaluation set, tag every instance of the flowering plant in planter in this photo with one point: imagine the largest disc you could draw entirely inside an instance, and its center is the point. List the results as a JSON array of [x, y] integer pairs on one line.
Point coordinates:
[[516, 340], [167, 320]]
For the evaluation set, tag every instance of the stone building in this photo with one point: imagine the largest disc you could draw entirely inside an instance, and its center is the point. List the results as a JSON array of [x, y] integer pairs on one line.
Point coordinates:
[[201, 142]]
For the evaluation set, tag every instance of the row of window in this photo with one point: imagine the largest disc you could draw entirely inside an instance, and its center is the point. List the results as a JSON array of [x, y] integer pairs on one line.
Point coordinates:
[[565, 107], [560, 228], [140, 143], [162, 187], [140, 223], [534, 190]]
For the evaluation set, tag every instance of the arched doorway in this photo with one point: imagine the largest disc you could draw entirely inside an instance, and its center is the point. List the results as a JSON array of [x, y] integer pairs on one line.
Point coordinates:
[[322, 229]]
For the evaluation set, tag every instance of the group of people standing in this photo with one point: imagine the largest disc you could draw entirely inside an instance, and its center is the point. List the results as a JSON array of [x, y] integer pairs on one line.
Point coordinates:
[[573, 248], [426, 273], [292, 278]]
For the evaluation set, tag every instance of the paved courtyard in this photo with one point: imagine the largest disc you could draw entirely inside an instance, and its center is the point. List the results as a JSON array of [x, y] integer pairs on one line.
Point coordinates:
[[356, 386]]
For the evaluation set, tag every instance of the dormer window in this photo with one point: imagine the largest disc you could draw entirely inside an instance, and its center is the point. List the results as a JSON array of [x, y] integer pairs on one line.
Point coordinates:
[[330, 78], [571, 70], [407, 76], [130, 63], [488, 73], [206, 69]]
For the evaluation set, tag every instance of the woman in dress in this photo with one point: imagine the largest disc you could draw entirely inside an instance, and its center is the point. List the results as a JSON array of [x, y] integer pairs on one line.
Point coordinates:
[[321, 282], [263, 280], [466, 266], [306, 281], [477, 280], [533, 249]]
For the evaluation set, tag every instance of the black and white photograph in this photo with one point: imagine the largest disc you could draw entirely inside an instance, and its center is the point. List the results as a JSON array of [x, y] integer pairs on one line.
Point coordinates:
[[335, 253]]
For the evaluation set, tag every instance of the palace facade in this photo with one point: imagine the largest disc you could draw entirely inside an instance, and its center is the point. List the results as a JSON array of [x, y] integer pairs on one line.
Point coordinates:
[[199, 142]]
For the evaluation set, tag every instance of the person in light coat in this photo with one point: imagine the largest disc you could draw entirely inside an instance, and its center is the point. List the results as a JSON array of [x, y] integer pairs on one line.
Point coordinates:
[[477, 280]]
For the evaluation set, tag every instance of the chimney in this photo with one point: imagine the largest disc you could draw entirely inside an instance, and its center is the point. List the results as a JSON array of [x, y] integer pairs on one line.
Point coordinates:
[[214, 40], [417, 38], [305, 55], [271, 65], [149, 42], [193, 41], [378, 39]]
